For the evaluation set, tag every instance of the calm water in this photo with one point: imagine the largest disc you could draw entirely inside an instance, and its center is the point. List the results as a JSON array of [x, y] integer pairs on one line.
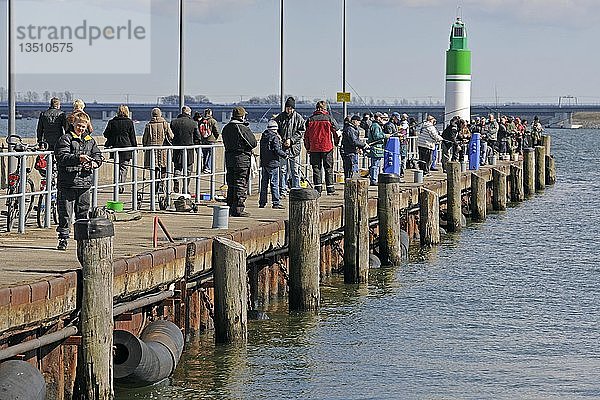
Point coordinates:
[[507, 309]]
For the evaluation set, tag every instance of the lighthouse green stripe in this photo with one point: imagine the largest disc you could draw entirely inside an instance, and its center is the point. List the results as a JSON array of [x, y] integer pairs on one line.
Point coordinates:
[[458, 62], [457, 80]]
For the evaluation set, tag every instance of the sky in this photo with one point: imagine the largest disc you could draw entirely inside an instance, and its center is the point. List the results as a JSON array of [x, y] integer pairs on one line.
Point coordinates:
[[522, 51]]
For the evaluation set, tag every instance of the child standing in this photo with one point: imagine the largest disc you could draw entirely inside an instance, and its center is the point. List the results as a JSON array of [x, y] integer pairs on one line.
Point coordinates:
[[270, 153]]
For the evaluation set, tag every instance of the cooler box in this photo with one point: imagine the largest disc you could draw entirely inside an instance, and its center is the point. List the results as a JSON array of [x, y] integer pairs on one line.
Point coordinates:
[[391, 156], [474, 151]]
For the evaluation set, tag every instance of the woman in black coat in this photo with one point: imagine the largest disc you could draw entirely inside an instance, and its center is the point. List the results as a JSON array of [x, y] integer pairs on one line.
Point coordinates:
[[120, 133]]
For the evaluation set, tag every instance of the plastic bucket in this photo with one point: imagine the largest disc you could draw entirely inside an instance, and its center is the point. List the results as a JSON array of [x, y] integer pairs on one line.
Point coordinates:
[[418, 175], [463, 166], [116, 206], [493, 160], [220, 217]]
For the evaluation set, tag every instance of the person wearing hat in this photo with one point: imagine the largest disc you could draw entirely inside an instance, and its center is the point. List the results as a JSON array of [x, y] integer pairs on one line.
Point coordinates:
[[375, 139], [270, 155], [351, 145], [185, 133], [366, 122], [319, 140], [291, 129], [238, 141], [426, 142], [209, 132], [157, 132]]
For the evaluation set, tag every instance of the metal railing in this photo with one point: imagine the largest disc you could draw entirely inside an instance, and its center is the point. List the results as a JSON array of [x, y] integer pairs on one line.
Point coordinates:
[[106, 185]]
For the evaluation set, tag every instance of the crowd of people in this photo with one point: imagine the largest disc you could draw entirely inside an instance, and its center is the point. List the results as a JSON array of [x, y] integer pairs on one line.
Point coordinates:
[[77, 153]]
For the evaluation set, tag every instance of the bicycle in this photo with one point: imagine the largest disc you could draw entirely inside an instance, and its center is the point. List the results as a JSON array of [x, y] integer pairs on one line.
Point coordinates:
[[41, 165], [14, 184]]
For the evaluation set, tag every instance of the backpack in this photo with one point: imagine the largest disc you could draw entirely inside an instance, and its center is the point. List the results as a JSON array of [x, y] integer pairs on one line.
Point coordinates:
[[204, 128]]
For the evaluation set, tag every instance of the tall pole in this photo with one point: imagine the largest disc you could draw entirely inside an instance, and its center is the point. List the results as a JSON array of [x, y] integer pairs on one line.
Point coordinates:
[[281, 89], [12, 105], [344, 58], [181, 58]]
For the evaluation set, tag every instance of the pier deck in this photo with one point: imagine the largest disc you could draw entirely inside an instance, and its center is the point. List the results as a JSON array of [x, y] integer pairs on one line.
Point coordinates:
[[39, 283]]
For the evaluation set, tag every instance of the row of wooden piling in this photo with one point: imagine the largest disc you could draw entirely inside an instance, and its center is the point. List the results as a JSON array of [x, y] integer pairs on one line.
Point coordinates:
[[304, 244]]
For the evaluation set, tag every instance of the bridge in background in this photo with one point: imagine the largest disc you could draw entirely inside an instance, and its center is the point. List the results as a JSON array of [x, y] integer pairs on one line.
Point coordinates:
[[548, 113]]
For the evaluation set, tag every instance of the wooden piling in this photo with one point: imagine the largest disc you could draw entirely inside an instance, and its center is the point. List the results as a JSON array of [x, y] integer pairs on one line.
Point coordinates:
[[478, 198], [356, 231], [429, 217], [529, 171], [516, 184], [550, 170], [499, 197], [540, 168], [454, 200], [304, 250], [231, 294], [546, 142], [388, 213], [95, 253]]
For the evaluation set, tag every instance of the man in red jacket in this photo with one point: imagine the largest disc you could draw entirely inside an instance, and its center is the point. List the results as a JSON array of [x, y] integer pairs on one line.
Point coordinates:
[[319, 139]]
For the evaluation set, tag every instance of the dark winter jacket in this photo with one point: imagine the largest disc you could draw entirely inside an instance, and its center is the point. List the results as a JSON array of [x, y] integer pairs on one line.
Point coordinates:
[[71, 173], [185, 131], [51, 126], [238, 139], [270, 150], [120, 133], [291, 127], [321, 129], [350, 139]]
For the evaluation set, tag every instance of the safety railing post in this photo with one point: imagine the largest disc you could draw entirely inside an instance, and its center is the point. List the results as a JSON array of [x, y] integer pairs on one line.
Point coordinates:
[[134, 189], [169, 177], [184, 168], [49, 188], [198, 171], [213, 168], [152, 180], [116, 176], [95, 179], [22, 190]]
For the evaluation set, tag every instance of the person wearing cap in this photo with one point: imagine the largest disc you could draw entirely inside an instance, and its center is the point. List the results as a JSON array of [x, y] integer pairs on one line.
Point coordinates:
[[366, 122], [351, 145], [319, 140], [271, 154], [291, 129], [428, 138], [375, 139], [185, 133], [238, 141]]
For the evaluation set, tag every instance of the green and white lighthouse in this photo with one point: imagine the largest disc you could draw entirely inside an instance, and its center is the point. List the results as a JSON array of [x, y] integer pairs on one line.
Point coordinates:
[[458, 74]]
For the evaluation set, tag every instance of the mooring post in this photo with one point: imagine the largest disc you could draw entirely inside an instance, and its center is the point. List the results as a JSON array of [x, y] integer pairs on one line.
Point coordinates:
[[356, 231], [231, 293], [388, 212], [454, 203], [540, 168], [429, 217], [529, 171], [500, 191], [478, 198], [95, 253], [550, 170], [304, 250], [546, 142], [516, 184]]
